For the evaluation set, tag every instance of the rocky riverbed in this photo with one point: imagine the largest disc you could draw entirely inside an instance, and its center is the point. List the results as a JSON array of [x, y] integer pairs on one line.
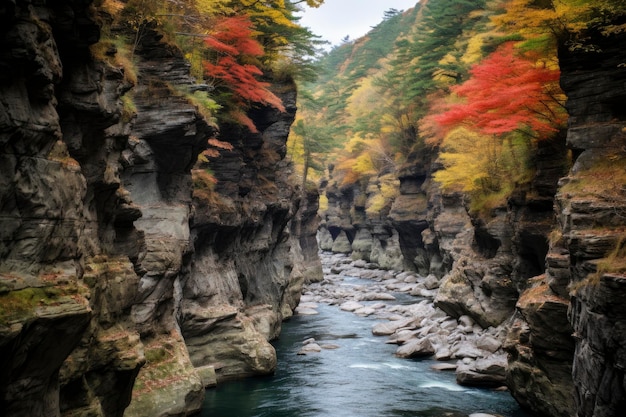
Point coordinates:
[[403, 304]]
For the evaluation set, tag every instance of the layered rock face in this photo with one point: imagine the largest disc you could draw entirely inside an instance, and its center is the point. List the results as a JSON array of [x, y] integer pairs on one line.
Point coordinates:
[[566, 345], [67, 339], [242, 282], [591, 206], [123, 291], [483, 262]]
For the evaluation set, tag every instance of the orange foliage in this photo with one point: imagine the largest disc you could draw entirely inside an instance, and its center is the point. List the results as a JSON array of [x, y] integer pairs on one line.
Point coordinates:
[[507, 92], [220, 144], [235, 47]]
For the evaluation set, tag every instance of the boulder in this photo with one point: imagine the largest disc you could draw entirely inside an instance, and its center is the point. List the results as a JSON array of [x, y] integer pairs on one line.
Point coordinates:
[[466, 349], [377, 296], [310, 348], [484, 372], [431, 282], [365, 311], [416, 348], [390, 327], [350, 306], [488, 343]]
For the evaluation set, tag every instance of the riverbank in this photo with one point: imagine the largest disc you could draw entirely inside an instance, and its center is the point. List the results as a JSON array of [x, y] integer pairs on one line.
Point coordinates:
[[402, 305]]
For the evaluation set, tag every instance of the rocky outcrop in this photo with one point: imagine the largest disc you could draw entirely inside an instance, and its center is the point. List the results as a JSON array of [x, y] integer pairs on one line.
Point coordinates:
[[493, 256], [540, 349], [242, 282], [410, 215], [122, 291], [167, 136]]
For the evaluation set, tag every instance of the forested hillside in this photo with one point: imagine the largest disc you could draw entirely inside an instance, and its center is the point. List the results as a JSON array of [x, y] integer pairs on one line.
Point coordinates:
[[471, 79]]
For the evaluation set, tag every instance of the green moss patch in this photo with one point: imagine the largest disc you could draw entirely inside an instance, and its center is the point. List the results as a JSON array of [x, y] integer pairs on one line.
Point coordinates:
[[21, 304]]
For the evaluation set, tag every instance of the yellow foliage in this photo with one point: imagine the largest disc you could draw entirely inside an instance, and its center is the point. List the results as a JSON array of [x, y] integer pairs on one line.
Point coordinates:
[[364, 165], [295, 148], [389, 186], [388, 190], [363, 99], [524, 17], [323, 203], [572, 16], [470, 160], [355, 144], [443, 76], [448, 59], [213, 7], [473, 52], [485, 167], [375, 204], [120, 58], [356, 168]]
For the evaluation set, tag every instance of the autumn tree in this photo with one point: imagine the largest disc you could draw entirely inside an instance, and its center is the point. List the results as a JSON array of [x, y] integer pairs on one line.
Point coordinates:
[[488, 128], [423, 58], [476, 163], [233, 69], [568, 19], [310, 145], [506, 93]]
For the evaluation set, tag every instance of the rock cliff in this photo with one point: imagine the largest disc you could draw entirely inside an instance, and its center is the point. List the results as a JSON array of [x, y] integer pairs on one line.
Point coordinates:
[[590, 207], [565, 343], [125, 286]]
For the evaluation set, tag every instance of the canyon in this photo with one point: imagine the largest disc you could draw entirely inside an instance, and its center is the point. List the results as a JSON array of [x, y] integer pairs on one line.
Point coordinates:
[[129, 284]]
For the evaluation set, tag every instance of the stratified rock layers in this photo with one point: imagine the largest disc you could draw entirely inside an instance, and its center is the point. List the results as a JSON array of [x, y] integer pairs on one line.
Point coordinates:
[[122, 291], [591, 206]]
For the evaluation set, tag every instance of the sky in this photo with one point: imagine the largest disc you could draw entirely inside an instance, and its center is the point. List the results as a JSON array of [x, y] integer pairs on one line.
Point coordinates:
[[335, 19]]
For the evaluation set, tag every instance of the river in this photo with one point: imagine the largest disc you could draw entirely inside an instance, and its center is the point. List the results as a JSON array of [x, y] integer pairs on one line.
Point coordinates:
[[358, 377]]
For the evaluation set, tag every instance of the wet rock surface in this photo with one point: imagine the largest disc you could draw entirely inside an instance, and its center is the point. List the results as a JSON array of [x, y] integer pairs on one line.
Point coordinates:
[[403, 305]]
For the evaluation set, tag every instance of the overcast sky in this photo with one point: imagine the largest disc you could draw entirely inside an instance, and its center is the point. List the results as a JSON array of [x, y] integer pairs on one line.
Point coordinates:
[[335, 19]]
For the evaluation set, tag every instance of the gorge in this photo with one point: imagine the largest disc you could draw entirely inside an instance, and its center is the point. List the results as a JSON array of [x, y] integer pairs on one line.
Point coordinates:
[[149, 250]]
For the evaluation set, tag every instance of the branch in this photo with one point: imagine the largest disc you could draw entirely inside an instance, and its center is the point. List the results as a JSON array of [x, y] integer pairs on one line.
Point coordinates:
[[196, 35]]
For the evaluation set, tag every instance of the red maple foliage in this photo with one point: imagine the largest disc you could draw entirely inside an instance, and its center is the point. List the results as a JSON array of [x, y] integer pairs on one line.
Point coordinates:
[[234, 45], [505, 93]]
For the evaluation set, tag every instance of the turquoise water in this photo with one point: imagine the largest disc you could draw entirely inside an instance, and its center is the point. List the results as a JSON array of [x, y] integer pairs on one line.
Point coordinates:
[[361, 378]]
